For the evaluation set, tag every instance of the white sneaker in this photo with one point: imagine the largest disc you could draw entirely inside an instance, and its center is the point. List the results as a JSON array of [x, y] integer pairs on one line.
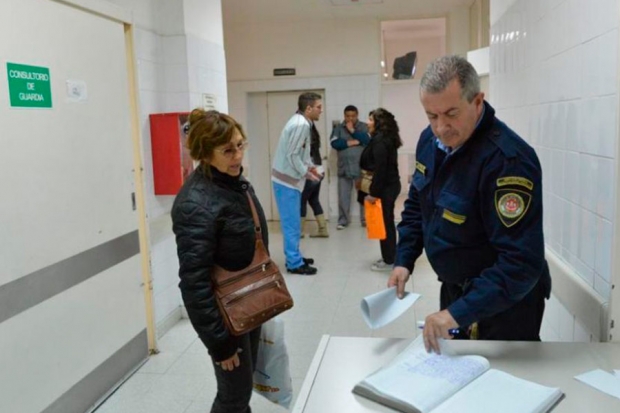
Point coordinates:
[[340, 226], [381, 266]]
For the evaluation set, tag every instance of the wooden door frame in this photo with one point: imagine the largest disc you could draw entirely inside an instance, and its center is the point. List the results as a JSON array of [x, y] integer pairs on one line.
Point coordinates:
[[124, 16]]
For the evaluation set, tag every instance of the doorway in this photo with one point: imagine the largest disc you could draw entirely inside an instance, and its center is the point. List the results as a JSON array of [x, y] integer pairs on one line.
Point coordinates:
[[268, 112], [280, 107]]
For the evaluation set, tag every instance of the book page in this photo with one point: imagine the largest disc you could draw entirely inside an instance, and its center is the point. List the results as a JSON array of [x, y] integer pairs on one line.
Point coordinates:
[[497, 391], [421, 380]]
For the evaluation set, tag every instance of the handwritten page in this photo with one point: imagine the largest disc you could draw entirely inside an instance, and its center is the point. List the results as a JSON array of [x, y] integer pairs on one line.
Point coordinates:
[[425, 380], [382, 308], [497, 391], [602, 380]]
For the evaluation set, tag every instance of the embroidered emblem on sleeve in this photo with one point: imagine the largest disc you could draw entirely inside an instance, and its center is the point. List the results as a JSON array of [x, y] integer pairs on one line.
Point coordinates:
[[511, 205], [420, 167], [515, 180]]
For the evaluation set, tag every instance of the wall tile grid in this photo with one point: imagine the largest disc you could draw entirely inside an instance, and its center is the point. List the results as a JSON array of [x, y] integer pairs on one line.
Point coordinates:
[[165, 86], [206, 66], [174, 70], [150, 58], [152, 50], [554, 66]]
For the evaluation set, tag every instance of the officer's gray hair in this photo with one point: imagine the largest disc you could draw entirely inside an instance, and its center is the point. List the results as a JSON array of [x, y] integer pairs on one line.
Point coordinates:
[[443, 70]]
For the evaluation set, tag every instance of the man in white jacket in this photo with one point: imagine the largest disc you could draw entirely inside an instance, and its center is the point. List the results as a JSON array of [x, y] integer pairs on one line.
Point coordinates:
[[291, 167]]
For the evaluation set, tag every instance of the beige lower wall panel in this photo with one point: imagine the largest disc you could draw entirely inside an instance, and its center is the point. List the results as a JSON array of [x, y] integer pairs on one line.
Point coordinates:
[[50, 347]]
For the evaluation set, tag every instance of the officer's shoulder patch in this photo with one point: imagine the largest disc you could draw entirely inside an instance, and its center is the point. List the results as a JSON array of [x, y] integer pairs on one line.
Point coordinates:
[[420, 167], [515, 180], [511, 205]]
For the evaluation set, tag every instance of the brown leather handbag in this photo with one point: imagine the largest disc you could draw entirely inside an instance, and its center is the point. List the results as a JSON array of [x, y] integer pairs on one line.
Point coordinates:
[[364, 181], [249, 297]]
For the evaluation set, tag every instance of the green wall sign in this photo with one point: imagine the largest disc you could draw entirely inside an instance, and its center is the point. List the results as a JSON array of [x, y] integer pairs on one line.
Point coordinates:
[[29, 86]]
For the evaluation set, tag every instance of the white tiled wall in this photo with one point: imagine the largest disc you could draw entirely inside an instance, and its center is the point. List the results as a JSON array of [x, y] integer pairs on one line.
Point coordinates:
[[165, 267], [206, 65], [175, 67], [155, 54], [554, 79], [152, 86]]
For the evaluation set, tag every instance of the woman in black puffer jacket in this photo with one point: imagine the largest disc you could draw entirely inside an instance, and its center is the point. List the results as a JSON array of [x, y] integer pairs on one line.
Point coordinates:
[[213, 224], [381, 158]]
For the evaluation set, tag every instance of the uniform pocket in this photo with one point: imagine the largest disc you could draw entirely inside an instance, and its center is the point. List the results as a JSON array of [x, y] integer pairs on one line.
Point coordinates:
[[456, 219]]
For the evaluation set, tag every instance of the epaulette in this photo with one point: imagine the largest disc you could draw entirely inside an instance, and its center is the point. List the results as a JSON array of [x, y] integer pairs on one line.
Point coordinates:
[[502, 142]]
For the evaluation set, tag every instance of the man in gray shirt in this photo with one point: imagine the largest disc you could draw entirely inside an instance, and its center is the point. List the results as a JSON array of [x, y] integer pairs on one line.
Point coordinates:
[[349, 139]]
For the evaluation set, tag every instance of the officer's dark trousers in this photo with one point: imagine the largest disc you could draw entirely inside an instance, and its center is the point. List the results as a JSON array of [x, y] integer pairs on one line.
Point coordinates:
[[234, 388], [388, 245], [521, 322]]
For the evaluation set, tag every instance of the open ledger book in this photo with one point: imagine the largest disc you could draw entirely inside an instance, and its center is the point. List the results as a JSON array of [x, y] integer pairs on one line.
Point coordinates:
[[418, 382]]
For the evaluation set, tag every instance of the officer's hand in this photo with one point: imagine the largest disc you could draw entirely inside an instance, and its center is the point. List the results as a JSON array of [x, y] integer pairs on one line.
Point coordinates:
[[398, 278], [436, 326], [230, 363]]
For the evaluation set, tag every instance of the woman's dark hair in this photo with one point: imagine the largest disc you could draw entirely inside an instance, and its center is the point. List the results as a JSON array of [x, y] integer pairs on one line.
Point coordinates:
[[386, 125], [206, 130]]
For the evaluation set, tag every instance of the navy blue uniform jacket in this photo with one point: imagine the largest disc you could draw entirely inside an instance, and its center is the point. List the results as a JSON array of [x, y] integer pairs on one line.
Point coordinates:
[[478, 215]]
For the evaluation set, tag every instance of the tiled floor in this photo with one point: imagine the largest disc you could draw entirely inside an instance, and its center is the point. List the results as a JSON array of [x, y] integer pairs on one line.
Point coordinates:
[[180, 379]]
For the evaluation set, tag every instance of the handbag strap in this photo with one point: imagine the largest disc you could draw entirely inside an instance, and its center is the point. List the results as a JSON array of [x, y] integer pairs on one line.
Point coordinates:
[[257, 227]]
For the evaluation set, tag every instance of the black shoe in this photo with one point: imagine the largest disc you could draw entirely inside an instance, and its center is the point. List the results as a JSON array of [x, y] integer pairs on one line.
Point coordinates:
[[303, 270], [308, 261]]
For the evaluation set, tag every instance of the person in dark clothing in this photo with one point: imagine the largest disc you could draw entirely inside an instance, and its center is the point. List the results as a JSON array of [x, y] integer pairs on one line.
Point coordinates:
[[381, 158], [475, 208], [212, 222], [312, 189], [349, 139]]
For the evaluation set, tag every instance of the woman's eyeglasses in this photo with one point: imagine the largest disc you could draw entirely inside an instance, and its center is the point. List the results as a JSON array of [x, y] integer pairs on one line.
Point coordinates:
[[231, 151]]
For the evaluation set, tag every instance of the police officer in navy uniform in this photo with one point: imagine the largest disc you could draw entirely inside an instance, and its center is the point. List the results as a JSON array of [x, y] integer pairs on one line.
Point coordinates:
[[475, 207]]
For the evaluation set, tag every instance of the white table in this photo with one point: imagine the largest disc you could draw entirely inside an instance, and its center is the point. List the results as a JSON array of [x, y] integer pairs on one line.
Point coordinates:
[[341, 362]]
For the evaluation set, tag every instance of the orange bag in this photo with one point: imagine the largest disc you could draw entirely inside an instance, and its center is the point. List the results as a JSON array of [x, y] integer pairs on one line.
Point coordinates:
[[374, 220]]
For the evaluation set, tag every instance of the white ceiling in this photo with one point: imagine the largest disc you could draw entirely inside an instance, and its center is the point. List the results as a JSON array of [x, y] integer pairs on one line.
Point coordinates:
[[257, 11], [409, 29]]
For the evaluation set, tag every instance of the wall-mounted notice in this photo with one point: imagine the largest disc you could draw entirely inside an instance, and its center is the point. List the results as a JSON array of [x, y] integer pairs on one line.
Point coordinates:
[[209, 101], [284, 72], [29, 86], [76, 90]]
